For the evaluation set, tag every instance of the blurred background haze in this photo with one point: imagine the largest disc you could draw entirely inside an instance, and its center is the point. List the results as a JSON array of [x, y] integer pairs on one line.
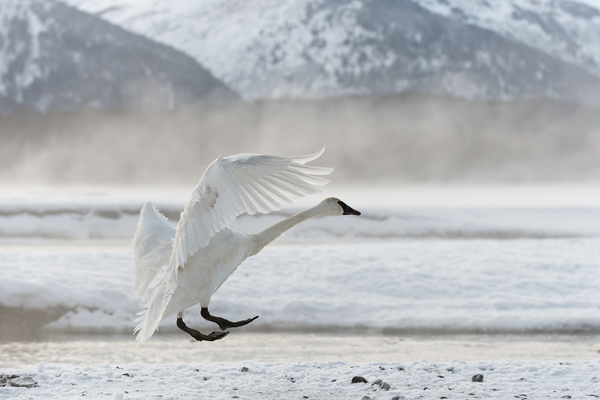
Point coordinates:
[[121, 92]]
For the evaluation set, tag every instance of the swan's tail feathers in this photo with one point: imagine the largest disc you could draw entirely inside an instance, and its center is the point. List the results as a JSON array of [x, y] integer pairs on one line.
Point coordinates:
[[152, 247], [149, 318], [149, 265]]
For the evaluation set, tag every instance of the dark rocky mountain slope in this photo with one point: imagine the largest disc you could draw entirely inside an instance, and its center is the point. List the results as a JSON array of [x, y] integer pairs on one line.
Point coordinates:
[[54, 57]]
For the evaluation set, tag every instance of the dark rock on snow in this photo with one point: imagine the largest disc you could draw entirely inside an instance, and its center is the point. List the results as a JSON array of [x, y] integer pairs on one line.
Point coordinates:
[[17, 381], [382, 384]]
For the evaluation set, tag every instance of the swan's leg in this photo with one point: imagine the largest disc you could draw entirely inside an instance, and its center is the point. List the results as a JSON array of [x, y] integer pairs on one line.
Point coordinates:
[[222, 322], [199, 336]]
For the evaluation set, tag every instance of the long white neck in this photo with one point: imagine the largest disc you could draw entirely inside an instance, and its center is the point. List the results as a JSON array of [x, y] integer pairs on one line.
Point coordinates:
[[274, 231]]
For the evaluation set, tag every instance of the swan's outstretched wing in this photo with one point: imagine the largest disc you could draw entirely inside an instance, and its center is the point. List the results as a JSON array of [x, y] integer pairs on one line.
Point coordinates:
[[152, 247], [244, 183]]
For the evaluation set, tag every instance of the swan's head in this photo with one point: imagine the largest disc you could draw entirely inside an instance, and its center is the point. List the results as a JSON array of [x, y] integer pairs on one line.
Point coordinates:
[[334, 206]]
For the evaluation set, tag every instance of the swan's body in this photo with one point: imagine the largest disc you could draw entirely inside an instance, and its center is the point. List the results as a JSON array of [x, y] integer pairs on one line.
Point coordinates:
[[201, 253]]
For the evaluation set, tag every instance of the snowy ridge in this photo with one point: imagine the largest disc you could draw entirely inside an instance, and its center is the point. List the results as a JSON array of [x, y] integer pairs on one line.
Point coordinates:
[[273, 39], [299, 49], [54, 57], [271, 49], [565, 29], [23, 52]]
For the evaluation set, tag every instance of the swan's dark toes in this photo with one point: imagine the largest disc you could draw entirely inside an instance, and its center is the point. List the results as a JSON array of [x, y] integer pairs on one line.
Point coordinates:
[[210, 337], [222, 322], [217, 335], [229, 324]]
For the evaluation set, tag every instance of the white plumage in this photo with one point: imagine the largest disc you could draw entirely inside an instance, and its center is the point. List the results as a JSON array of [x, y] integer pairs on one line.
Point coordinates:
[[201, 252], [244, 183]]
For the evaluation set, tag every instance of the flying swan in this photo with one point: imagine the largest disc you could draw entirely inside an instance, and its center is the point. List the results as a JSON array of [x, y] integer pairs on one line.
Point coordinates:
[[202, 252]]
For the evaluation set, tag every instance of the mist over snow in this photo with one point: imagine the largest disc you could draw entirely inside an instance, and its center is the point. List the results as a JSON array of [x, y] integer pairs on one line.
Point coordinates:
[[378, 140]]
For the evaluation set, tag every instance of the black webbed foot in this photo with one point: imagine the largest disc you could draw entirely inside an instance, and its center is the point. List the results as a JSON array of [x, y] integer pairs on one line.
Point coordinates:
[[222, 322], [215, 336], [199, 336]]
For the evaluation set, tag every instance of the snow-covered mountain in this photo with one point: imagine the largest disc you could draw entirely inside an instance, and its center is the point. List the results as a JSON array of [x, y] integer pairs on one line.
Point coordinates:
[[54, 57], [490, 49]]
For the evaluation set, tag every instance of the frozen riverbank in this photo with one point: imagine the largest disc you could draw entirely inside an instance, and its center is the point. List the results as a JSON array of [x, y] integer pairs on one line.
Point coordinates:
[[424, 285], [291, 347], [310, 380]]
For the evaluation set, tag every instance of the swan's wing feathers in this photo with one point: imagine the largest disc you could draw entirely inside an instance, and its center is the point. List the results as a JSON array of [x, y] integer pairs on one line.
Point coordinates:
[[311, 157], [152, 247], [243, 183]]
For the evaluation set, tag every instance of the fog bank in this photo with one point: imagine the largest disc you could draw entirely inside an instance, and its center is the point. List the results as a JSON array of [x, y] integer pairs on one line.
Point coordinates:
[[384, 140]]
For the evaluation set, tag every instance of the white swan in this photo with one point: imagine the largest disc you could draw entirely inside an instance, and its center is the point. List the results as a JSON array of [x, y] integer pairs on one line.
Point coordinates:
[[201, 252]]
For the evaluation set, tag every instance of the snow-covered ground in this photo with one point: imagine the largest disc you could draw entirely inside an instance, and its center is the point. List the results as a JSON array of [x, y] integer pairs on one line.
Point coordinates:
[[409, 285], [310, 380], [424, 261], [394, 269]]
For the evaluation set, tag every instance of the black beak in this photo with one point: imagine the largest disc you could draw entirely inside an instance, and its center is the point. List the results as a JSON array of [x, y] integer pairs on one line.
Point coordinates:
[[347, 209]]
